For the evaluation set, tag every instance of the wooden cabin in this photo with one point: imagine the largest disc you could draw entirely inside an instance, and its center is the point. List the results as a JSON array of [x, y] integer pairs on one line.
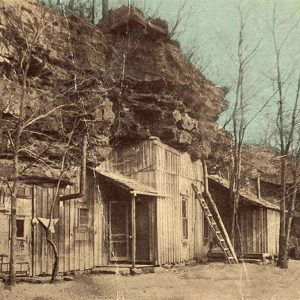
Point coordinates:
[[139, 208], [73, 234], [258, 219], [149, 212]]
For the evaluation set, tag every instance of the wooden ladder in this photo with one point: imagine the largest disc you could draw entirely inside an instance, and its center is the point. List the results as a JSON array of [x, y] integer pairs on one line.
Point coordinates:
[[223, 238]]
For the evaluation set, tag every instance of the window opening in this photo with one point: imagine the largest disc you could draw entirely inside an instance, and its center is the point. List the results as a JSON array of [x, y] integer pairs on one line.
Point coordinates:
[[184, 216], [83, 217], [20, 228]]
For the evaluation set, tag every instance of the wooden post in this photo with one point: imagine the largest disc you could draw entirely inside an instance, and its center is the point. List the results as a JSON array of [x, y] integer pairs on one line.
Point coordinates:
[[258, 187], [33, 229], [133, 231]]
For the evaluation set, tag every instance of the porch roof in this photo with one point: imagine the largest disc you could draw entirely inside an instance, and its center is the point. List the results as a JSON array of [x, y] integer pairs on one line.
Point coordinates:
[[247, 195], [128, 183]]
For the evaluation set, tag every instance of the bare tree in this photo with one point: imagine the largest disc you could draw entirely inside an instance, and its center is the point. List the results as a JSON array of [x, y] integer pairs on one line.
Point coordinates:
[[23, 120], [286, 122], [104, 8], [243, 94]]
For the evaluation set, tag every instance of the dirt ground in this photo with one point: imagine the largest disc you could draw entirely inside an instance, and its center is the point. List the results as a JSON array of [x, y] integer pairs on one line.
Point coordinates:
[[212, 281]]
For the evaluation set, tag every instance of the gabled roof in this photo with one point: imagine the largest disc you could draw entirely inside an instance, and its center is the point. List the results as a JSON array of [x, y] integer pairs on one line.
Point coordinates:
[[247, 195], [127, 183]]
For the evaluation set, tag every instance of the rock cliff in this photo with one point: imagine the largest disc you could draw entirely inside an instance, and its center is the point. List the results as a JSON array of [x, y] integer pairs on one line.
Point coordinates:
[[126, 77]]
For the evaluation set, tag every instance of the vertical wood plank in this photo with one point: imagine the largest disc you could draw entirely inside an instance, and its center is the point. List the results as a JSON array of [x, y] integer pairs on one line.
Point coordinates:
[[67, 235], [44, 243], [133, 230], [35, 228], [60, 231], [71, 229], [40, 233], [49, 249]]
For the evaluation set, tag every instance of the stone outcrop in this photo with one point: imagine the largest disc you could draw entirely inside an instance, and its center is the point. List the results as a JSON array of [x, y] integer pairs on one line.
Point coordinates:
[[128, 77]]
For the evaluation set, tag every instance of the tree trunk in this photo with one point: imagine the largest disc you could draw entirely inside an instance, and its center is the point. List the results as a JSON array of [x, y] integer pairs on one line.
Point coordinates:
[[13, 235], [289, 219], [93, 13], [104, 8], [13, 215], [13, 208], [235, 190], [282, 259], [56, 257], [232, 200]]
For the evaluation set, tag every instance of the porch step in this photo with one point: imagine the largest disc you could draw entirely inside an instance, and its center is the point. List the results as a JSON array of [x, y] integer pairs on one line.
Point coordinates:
[[215, 256], [261, 256], [111, 270], [251, 261]]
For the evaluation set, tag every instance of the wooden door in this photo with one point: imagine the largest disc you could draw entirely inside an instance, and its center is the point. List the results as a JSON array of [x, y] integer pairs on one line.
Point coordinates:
[[119, 238], [142, 231]]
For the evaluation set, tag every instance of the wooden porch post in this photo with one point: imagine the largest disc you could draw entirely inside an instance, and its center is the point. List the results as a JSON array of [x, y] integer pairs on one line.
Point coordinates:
[[133, 231]]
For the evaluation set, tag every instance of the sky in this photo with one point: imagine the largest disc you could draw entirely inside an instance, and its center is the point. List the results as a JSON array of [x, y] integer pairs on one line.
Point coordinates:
[[211, 29]]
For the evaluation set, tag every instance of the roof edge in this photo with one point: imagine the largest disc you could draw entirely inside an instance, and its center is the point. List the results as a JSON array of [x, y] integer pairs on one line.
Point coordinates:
[[248, 196]]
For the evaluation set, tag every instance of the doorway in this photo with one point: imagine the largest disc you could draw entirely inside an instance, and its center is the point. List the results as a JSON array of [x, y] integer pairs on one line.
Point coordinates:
[[119, 233], [142, 231], [120, 230]]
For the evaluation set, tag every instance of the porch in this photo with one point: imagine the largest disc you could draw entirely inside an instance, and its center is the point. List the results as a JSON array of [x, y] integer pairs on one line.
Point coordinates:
[[130, 238]]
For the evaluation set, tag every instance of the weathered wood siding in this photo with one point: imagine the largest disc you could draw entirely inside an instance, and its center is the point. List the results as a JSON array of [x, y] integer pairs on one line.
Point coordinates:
[[258, 229], [73, 240], [273, 231], [24, 244], [99, 221], [258, 226], [171, 173], [175, 173], [137, 162], [253, 230]]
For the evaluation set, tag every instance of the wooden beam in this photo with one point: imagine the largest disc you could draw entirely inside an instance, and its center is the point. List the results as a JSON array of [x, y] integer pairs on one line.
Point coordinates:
[[258, 187], [136, 192], [133, 231]]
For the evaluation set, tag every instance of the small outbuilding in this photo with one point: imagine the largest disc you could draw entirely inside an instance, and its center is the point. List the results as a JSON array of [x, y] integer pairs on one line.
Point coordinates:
[[258, 219]]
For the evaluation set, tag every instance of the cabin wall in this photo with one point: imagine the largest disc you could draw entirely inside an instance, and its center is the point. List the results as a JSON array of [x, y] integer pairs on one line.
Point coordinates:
[[258, 226], [100, 220], [273, 231], [137, 162], [24, 243], [74, 232], [74, 236], [175, 173], [253, 229]]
